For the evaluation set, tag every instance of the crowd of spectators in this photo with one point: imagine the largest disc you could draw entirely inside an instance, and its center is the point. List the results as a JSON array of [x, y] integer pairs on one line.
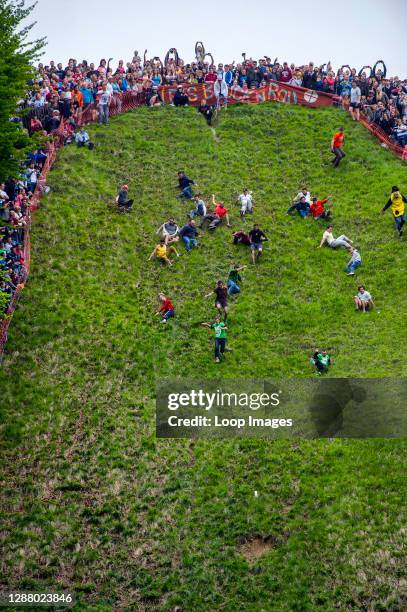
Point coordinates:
[[66, 91], [15, 196]]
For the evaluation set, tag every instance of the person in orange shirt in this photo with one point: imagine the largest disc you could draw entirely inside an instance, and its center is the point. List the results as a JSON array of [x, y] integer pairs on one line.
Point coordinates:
[[336, 146]]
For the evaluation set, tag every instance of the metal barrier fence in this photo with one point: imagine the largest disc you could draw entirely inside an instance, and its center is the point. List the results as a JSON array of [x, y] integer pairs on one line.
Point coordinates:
[[119, 104]]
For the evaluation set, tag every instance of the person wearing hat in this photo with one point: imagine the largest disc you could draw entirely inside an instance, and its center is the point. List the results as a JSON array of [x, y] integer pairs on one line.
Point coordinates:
[[153, 97], [121, 200], [180, 99]]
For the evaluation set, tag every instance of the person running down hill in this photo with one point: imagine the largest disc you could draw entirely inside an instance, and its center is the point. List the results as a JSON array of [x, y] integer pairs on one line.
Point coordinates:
[[257, 237], [321, 360], [336, 146], [397, 203]]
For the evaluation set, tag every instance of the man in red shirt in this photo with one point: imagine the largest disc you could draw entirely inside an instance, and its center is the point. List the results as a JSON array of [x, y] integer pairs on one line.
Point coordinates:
[[221, 211], [317, 208], [336, 146]]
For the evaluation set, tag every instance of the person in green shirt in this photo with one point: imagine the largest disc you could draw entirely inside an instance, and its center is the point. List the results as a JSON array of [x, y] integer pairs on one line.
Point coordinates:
[[321, 360], [234, 279], [220, 337]]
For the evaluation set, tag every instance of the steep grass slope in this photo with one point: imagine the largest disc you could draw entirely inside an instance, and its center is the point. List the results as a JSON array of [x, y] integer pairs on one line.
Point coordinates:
[[90, 501]]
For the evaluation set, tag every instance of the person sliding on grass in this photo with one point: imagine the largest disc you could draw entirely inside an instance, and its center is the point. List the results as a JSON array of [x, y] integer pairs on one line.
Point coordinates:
[[302, 207], [257, 237], [396, 202], [221, 300], [363, 300], [162, 253], [234, 278], [246, 202], [334, 243], [188, 235], [321, 360], [304, 193], [220, 337], [354, 262], [184, 184], [336, 146], [318, 210], [121, 200], [169, 231], [241, 237], [166, 309]]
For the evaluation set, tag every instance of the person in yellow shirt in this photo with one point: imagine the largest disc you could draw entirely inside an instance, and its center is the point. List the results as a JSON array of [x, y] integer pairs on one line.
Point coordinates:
[[162, 252], [397, 204]]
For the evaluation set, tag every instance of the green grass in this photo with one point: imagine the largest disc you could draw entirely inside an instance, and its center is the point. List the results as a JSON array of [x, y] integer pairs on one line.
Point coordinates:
[[90, 500]]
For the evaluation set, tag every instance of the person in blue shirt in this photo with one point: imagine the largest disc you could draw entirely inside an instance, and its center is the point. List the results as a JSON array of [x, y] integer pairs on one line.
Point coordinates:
[[184, 184], [188, 235]]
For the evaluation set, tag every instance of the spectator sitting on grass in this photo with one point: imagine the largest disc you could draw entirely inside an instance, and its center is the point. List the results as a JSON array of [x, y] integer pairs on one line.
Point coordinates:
[[82, 139], [162, 252], [363, 300], [180, 99]]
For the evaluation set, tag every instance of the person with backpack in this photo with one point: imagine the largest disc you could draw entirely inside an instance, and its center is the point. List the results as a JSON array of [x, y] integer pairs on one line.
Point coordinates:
[[397, 203]]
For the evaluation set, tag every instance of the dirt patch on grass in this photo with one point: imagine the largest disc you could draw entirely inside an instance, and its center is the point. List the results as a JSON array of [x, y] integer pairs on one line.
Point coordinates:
[[256, 546]]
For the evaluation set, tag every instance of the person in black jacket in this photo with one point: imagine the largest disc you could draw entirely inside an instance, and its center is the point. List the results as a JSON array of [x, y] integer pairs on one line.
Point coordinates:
[[180, 99]]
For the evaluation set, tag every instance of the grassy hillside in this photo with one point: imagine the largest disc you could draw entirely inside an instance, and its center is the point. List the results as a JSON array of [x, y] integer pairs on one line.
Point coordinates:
[[90, 500]]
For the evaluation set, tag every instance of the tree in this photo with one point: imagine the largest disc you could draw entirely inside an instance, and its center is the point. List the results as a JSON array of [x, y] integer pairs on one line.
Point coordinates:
[[16, 69]]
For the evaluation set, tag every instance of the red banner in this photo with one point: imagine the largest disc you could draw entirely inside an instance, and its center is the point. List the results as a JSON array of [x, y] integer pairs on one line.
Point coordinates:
[[272, 92]]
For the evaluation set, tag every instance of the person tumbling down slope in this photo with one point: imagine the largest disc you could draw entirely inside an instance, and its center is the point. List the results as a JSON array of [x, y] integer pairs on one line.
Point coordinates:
[[340, 242], [220, 337], [162, 252], [166, 309]]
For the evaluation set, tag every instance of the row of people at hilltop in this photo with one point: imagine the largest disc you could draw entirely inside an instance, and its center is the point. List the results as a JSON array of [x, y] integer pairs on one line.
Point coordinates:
[[69, 90]]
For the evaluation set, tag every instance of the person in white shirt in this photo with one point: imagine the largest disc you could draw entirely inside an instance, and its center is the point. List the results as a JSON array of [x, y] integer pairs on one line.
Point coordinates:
[[169, 231], [246, 202], [82, 139], [200, 207], [355, 96], [334, 243], [363, 300]]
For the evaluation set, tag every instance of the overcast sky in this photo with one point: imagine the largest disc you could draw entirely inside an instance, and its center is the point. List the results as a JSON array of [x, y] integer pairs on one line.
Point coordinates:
[[354, 32]]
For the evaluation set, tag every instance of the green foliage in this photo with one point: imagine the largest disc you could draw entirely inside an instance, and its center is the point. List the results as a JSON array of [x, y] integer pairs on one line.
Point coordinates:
[[15, 70], [90, 501]]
